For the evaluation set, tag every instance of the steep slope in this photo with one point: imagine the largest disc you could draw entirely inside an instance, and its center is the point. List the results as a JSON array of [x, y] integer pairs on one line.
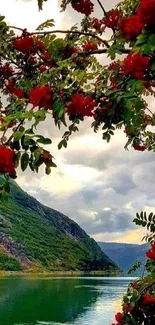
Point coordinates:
[[125, 255], [44, 239]]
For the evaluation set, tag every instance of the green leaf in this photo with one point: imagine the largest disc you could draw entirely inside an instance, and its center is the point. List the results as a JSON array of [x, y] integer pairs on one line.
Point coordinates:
[[2, 18], [52, 164], [44, 140], [37, 153], [47, 170], [150, 216], [24, 161], [134, 267], [40, 4], [6, 186], [48, 23], [18, 135], [28, 141], [62, 143], [17, 158], [65, 143]]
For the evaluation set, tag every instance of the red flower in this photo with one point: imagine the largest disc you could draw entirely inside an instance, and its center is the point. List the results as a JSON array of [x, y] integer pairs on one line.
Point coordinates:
[[131, 26], [112, 19], [146, 12], [41, 96], [7, 161], [119, 317], [89, 46], [24, 44], [13, 90], [148, 299], [151, 253], [86, 7], [139, 147], [136, 65], [81, 105]]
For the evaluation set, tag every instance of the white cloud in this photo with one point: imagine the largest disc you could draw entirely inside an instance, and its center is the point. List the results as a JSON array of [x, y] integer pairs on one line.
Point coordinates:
[[25, 14]]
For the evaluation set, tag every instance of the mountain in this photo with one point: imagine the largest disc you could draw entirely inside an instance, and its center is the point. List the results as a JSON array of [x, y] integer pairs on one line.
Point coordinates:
[[34, 237], [125, 255]]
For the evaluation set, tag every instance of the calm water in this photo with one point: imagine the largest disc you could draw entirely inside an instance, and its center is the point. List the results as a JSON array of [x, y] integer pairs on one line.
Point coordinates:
[[57, 300]]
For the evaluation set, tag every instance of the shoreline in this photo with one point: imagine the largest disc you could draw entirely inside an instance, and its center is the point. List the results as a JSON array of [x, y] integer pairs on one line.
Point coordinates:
[[57, 273]]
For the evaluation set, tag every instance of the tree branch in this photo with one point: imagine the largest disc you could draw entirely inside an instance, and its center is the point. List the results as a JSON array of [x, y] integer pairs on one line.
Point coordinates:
[[16, 129], [17, 28], [65, 32], [102, 51], [100, 4]]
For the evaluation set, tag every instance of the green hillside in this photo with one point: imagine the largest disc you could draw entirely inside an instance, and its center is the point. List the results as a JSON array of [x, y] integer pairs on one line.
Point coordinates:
[[39, 238]]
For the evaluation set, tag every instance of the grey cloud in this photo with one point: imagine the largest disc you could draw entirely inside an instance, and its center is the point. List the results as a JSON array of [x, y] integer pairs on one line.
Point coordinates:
[[109, 221]]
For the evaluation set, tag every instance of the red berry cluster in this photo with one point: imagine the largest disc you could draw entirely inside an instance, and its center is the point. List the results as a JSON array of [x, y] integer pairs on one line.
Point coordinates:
[[6, 71], [83, 6], [139, 147], [151, 253], [96, 23], [12, 89], [131, 27], [7, 161], [41, 96], [27, 44], [144, 16], [81, 105], [148, 299], [89, 46], [112, 19], [136, 65], [146, 12]]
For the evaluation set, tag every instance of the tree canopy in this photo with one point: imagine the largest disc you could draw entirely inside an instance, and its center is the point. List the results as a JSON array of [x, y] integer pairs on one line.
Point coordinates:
[[45, 75]]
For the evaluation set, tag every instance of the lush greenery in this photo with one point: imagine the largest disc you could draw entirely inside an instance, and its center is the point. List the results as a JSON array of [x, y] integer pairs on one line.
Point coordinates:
[[45, 76], [125, 255], [8, 263], [45, 239]]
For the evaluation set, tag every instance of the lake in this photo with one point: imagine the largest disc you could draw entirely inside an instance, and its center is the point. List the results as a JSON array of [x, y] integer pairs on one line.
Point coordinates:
[[60, 300]]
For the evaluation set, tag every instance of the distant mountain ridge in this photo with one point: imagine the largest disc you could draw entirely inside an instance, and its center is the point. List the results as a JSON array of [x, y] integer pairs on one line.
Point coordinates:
[[125, 255], [34, 237]]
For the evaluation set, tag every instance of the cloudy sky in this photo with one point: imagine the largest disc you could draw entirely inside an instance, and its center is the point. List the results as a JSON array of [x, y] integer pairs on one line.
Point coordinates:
[[99, 185]]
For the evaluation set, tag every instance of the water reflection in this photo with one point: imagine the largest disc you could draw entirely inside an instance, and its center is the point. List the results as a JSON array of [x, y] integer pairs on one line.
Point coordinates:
[[55, 301]]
